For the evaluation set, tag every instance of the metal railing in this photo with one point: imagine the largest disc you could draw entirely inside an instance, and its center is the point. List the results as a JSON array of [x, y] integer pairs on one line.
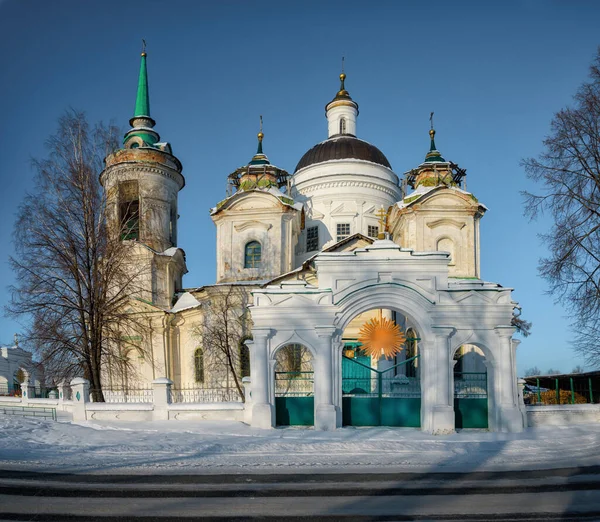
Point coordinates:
[[550, 390], [7, 390], [29, 411], [124, 394], [294, 384], [194, 393], [470, 385], [362, 380]]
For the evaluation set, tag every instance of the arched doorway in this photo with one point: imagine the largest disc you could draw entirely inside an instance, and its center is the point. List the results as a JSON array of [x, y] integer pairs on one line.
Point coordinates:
[[470, 388], [379, 390], [294, 386]]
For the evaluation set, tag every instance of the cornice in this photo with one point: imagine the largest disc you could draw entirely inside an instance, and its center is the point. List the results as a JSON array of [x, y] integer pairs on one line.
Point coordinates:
[[140, 169], [315, 187]]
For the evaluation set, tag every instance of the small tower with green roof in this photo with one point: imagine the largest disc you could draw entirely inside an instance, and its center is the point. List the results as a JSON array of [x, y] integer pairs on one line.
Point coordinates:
[[142, 181], [257, 224], [439, 214]]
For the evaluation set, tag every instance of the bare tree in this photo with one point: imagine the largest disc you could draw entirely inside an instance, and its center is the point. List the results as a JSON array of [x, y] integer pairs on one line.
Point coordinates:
[[73, 276], [568, 171], [578, 369], [530, 372], [226, 326], [551, 371]]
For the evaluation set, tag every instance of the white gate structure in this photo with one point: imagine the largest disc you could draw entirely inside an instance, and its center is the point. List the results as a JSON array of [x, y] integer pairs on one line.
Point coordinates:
[[447, 313]]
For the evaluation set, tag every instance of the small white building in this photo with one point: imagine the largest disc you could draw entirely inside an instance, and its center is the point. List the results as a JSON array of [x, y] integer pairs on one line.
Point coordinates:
[[16, 364]]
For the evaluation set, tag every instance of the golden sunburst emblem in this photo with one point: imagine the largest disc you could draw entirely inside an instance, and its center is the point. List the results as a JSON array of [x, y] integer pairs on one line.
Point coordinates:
[[381, 337]]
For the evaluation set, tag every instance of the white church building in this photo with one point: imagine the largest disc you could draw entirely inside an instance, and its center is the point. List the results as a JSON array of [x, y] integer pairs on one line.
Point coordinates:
[[321, 252]]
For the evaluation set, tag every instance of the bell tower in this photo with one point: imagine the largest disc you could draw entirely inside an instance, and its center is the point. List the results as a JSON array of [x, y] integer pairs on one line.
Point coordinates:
[[142, 181]]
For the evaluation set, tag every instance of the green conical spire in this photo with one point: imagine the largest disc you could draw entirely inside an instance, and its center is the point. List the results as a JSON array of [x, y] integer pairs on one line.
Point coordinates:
[[142, 101], [259, 158]]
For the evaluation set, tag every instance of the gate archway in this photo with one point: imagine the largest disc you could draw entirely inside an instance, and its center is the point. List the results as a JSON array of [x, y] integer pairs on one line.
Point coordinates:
[[294, 386], [379, 390], [471, 402]]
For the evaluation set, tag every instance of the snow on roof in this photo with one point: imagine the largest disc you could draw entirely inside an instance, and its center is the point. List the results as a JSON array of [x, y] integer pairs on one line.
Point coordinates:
[[185, 302], [421, 190], [271, 190]]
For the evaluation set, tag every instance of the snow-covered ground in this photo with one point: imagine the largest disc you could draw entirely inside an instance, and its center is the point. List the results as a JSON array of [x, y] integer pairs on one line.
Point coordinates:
[[224, 446]]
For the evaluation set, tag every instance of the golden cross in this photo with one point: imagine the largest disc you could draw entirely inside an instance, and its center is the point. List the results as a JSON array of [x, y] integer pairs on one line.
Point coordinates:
[[381, 214]]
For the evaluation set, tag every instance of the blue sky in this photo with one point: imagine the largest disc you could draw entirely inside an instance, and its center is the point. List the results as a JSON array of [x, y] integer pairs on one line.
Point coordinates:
[[493, 72]]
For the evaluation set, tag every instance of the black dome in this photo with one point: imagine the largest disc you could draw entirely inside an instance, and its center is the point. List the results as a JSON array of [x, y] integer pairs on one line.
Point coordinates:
[[342, 147]]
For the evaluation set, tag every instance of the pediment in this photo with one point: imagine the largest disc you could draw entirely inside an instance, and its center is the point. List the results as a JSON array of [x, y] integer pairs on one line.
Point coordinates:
[[446, 222], [472, 297], [447, 198], [252, 224], [292, 301], [251, 200], [351, 244], [344, 209]]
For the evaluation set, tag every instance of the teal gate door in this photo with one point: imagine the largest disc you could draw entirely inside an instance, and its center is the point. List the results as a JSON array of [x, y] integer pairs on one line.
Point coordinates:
[[294, 399], [372, 397], [470, 400]]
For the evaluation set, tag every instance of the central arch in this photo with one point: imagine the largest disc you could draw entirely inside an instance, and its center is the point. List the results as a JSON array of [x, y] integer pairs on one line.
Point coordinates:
[[393, 398]]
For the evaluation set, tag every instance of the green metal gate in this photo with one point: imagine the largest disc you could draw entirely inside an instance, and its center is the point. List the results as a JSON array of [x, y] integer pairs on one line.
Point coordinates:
[[470, 400], [372, 397], [294, 399]]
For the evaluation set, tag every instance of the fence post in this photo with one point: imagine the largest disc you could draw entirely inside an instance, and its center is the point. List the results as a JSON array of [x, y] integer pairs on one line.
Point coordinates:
[[591, 393], [539, 393], [247, 383], [63, 392], [162, 398], [81, 396], [27, 391], [572, 391]]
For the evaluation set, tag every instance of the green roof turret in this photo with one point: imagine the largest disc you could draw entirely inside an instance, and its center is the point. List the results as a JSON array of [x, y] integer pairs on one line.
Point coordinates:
[[142, 133]]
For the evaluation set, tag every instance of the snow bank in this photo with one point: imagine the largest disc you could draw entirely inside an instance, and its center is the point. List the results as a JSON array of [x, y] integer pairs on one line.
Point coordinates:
[[188, 446]]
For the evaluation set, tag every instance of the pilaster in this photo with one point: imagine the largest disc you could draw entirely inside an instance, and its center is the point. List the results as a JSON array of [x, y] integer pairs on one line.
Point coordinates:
[[262, 409], [325, 411]]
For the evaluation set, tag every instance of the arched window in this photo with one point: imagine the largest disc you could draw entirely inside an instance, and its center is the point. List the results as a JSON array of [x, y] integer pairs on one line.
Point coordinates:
[[199, 365], [343, 126], [252, 255]]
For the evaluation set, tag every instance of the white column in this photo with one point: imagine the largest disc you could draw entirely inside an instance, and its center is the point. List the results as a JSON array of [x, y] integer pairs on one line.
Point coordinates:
[[325, 411], [508, 412], [442, 413], [247, 383], [262, 409]]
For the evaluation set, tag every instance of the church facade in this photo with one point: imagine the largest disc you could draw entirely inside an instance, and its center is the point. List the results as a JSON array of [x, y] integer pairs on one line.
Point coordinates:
[[305, 262]]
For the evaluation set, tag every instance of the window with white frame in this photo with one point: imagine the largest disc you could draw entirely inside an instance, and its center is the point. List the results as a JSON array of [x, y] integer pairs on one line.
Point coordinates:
[[373, 230], [312, 239], [342, 231]]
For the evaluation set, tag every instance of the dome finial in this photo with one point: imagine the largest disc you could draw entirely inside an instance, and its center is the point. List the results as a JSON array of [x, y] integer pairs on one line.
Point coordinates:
[[433, 155], [343, 91], [260, 136], [431, 133]]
